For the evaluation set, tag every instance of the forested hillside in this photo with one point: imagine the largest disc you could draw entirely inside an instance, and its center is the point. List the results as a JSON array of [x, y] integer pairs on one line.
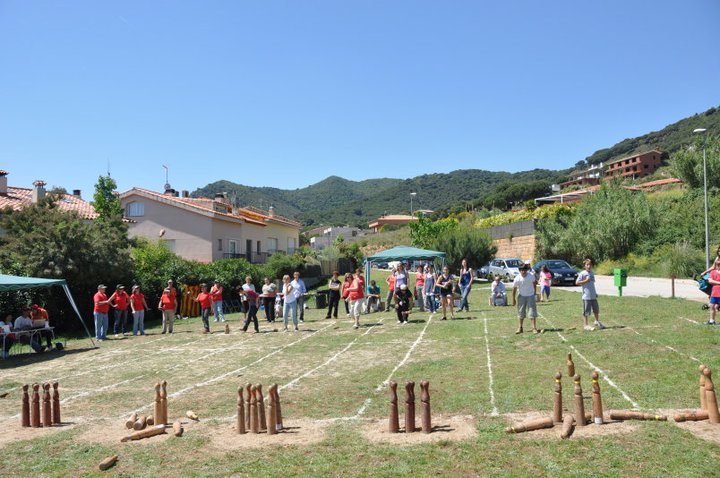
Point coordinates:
[[338, 201], [668, 140]]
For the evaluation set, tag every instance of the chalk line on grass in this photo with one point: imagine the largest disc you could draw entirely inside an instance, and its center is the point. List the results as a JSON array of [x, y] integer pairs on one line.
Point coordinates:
[[490, 371], [658, 343], [594, 367], [368, 401], [690, 320], [217, 378]]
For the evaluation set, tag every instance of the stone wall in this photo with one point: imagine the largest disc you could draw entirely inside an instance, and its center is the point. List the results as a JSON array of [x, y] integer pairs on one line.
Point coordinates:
[[522, 247]]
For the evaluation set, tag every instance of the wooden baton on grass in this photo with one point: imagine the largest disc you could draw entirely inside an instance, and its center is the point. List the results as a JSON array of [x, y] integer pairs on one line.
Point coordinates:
[[108, 462], [631, 415], [531, 425], [147, 433], [696, 416]]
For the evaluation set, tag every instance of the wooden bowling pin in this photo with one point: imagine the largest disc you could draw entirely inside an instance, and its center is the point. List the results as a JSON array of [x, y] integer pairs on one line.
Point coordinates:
[[568, 426], [410, 407], [240, 411], [227, 328], [557, 402], [710, 397], [140, 423], [579, 405], [25, 410], [570, 366], [46, 406], [130, 423], [703, 403], [261, 407], [56, 404], [596, 400], [278, 409], [248, 399], [531, 425], [632, 415], [108, 462], [425, 406], [254, 426], [147, 433], [271, 425], [692, 416], [163, 403], [157, 410], [35, 410], [394, 422], [150, 420]]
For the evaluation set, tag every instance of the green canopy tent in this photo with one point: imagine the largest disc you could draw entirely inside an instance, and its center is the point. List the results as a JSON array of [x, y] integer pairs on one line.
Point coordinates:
[[10, 283], [401, 253]]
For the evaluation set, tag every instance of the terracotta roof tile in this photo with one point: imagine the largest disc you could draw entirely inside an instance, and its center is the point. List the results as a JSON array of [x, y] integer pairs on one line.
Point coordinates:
[[19, 198]]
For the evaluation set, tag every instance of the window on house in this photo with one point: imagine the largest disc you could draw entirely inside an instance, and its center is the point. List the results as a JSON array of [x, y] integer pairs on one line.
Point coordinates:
[[291, 245], [272, 245], [135, 209], [219, 244], [232, 246], [259, 243]]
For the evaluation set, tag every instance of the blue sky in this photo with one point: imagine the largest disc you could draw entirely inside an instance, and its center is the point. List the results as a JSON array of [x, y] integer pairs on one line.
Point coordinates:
[[286, 93]]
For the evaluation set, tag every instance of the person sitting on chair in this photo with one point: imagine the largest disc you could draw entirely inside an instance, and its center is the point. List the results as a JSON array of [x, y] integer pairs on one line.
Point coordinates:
[[5, 329], [24, 322], [373, 304], [498, 296]]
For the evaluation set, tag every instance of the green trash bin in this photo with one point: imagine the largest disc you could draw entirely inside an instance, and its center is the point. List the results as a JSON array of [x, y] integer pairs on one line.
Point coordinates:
[[620, 277]]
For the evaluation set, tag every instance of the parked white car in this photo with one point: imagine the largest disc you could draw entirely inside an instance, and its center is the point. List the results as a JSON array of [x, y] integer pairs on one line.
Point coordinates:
[[507, 268]]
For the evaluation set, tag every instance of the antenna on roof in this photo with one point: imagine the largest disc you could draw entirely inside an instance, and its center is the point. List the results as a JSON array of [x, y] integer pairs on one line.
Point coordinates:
[[108, 168], [167, 182]]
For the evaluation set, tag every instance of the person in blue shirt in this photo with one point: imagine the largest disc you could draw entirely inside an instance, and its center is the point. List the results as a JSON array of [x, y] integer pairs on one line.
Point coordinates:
[[301, 290]]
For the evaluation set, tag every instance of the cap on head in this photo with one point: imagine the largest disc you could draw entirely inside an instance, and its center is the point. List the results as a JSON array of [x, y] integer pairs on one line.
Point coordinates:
[[135, 287], [525, 267], [403, 286], [120, 286], [34, 307], [102, 286]]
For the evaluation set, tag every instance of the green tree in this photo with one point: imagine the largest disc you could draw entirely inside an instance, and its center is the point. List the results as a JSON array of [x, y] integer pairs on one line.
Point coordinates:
[[106, 201], [465, 241], [687, 162], [424, 231]]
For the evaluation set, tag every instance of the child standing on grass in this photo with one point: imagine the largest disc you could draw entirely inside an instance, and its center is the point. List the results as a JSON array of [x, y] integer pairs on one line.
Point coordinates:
[[586, 279], [714, 280], [252, 299], [545, 281], [205, 304], [524, 297]]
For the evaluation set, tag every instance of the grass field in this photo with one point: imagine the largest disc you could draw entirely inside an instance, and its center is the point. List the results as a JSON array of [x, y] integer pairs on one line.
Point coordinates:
[[334, 399]]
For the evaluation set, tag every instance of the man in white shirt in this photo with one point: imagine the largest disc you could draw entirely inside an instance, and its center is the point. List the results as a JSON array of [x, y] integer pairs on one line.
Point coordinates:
[[524, 297], [24, 322], [300, 291]]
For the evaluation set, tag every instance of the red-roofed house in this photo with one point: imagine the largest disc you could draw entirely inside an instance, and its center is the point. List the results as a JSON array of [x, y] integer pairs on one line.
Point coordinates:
[[391, 219], [205, 229], [19, 198]]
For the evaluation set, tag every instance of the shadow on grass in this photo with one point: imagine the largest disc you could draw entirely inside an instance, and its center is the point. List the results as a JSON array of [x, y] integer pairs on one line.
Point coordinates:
[[31, 358]]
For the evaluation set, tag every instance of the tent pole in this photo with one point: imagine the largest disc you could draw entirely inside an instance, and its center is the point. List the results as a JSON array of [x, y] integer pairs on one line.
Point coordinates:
[[72, 302]]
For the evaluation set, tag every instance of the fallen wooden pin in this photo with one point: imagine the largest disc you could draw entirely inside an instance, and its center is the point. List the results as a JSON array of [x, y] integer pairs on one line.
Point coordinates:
[[177, 429], [192, 415], [691, 416], [531, 425], [147, 433], [568, 426], [131, 421], [628, 415], [108, 462]]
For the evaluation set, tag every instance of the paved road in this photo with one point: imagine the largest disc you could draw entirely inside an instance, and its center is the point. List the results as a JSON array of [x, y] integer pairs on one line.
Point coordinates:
[[646, 287]]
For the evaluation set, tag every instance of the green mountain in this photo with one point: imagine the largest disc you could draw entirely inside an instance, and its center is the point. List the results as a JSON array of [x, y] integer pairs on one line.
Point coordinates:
[[338, 201], [668, 140]]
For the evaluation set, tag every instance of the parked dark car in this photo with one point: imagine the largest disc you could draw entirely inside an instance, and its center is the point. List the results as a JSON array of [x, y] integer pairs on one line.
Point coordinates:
[[562, 272], [381, 265]]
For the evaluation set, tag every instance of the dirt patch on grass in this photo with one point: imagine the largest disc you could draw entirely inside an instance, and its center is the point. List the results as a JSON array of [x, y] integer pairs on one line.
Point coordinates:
[[453, 428], [224, 437], [609, 427], [14, 431], [701, 429]]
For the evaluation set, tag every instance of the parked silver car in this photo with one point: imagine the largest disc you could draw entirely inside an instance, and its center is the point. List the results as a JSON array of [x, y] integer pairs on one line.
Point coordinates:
[[507, 268]]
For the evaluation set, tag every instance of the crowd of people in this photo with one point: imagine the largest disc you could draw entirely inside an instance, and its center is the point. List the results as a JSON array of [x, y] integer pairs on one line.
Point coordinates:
[[30, 328]]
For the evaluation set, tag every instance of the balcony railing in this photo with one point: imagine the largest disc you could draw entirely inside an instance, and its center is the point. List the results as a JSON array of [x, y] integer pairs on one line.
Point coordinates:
[[253, 258]]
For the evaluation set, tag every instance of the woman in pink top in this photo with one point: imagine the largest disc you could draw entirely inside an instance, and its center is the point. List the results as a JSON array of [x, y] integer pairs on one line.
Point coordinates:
[[420, 286], [545, 281]]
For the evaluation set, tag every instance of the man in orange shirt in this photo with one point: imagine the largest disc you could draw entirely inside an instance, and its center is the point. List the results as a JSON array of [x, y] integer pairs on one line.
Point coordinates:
[[205, 304], [391, 290], [120, 301], [38, 313], [100, 313]]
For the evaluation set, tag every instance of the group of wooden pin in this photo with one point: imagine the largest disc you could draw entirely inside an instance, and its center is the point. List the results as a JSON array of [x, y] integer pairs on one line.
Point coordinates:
[[579, 418], [251, 414], [708, 401], [394, 425], [157, 422], [31, 415]]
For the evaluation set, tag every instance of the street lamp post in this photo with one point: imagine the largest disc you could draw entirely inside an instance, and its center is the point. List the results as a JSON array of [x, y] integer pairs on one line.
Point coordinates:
[[705, 191], [412, 195]]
